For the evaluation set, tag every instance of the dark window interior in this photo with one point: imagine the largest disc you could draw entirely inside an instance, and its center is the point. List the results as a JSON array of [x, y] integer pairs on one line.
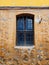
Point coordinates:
[[25, 30]]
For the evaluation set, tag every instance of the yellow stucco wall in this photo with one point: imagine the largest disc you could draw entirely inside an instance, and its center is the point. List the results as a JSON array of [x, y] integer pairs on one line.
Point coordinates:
[[24, 2]]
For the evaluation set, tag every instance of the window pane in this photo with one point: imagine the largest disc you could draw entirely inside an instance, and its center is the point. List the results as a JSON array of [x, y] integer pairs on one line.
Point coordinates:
[[29, 38], [28, 24], [20, 38], [25, 30], [20, 24]]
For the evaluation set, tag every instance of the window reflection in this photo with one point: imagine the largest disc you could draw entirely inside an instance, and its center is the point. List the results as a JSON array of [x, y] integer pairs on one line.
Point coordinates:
[[20, 39], [28, 24], [29, 38], [20, 24]]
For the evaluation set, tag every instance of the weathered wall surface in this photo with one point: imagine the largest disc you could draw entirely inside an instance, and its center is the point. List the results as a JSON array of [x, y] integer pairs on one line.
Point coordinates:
[[9, 55]]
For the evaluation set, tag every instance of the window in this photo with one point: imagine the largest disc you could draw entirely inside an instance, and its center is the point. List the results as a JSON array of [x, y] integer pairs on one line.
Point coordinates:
[[25, 30]]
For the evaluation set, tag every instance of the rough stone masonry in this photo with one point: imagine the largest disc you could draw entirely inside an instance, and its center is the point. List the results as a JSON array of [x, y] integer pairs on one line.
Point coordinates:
[[39, 54]]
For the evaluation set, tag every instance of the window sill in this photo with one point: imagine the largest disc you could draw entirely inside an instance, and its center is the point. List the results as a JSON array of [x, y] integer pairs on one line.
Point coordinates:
[[24, 47]]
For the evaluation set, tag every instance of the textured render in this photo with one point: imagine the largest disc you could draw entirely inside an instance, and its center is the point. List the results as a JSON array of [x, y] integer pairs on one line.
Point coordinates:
[[24, 3], [9, 55]]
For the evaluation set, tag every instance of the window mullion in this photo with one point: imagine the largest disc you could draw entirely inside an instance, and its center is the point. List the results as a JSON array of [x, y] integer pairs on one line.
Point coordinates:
[[25, 31]]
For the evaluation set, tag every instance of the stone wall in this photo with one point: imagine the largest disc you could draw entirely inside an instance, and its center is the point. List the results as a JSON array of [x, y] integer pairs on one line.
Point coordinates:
[[9, 55]]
